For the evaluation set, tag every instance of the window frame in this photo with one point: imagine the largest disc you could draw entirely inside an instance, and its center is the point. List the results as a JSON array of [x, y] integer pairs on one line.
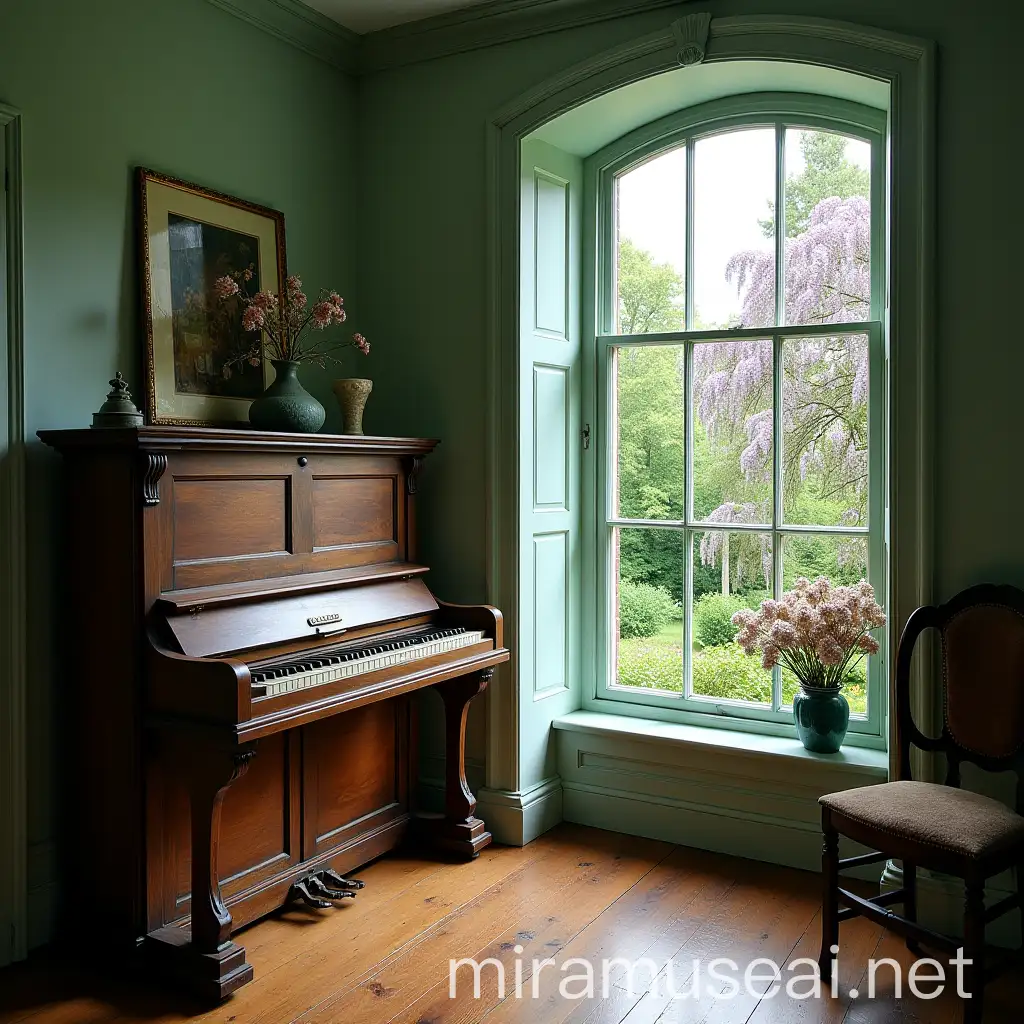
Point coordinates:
[[777, 110]]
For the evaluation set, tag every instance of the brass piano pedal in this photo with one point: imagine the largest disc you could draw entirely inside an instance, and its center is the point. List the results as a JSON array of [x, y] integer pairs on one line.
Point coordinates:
[[317, 887], [333, 879], [300, 891]]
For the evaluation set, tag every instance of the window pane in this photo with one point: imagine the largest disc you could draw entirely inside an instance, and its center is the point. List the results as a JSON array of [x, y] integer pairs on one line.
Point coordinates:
[[648, 432], [825, 430], [828, 227], [731, 570], [733, 393], [844, 560], [734, 229], [649, 580], [650, 221]]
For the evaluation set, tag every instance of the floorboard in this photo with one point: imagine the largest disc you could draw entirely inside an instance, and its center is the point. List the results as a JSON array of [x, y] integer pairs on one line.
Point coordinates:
[[656, 915]]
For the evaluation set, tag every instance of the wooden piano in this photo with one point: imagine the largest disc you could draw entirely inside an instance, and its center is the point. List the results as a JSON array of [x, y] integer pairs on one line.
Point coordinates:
[[246, 626]]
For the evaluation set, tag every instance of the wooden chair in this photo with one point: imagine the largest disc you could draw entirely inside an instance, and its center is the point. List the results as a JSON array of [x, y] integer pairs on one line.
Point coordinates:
[[941, 827]]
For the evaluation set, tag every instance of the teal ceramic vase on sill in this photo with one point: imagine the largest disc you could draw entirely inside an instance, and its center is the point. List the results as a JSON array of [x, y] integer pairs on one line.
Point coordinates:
[[286, 405], [822, 716]]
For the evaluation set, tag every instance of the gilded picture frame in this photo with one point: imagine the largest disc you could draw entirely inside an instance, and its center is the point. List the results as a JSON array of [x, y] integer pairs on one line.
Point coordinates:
[[189, 237]]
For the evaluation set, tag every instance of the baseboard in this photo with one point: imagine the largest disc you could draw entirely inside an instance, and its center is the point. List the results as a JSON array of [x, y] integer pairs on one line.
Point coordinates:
[[518, 818], [940, 903]]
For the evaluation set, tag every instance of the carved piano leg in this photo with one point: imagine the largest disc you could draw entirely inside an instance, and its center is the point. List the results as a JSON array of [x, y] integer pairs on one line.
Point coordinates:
[[204, 958], [460, 831]]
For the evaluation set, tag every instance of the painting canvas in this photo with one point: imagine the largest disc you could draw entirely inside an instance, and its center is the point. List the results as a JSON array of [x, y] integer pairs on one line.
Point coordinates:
[[192, 236]]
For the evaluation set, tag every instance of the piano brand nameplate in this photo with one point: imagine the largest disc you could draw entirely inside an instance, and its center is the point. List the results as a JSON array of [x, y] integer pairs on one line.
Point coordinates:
[[202, 632]]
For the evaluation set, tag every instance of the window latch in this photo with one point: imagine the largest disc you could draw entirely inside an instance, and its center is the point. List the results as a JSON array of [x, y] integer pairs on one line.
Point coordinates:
[[585, 434]]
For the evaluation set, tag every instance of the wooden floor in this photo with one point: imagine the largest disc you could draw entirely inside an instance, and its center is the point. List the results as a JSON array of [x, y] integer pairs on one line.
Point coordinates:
[[575, 892]]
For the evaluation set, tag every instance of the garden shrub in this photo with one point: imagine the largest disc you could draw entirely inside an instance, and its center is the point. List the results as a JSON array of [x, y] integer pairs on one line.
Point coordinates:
[[711, 619], [728, 672], [643, 609], [652, 666]]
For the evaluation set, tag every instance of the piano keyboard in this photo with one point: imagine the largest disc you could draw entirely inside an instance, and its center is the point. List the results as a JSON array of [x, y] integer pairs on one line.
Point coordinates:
[[330, 667]]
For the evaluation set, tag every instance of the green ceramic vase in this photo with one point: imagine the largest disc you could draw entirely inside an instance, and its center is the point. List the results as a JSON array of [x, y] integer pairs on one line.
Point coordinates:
[[286, 405], [822, 716]]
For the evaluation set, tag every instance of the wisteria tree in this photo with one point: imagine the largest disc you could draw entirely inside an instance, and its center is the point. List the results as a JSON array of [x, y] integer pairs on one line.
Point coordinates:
[[825, 379]]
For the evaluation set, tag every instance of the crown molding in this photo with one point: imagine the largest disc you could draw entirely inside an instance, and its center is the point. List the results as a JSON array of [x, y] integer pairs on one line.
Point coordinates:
[[472, 28], [489, 24], [300, 26]]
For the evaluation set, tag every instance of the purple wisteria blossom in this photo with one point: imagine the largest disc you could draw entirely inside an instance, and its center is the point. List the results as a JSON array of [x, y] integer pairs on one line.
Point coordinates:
[[825, 379], [755, 549]]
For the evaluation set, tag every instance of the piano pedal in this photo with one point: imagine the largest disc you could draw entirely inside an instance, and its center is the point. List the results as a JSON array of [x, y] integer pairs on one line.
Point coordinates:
[[301, 892], [333, 879], [316, 885]]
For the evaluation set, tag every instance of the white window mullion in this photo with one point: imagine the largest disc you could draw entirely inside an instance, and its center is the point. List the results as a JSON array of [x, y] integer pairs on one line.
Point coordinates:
[[780, 224]]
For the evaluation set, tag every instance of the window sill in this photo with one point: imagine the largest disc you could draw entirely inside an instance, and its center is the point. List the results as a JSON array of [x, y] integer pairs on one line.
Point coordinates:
[[873, 765]]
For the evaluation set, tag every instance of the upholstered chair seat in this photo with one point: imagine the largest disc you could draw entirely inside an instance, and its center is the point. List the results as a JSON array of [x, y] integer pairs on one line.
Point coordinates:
[[931, 818]]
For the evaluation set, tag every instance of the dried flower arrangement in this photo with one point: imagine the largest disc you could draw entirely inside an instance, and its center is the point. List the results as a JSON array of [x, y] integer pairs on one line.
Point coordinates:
[[818, 631], [283, 328]]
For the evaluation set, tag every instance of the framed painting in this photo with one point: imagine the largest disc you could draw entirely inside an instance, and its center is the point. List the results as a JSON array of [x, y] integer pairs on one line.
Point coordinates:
[[190, 236]]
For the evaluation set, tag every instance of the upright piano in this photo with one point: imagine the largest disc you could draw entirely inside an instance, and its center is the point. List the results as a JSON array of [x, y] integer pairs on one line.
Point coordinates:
[[246, 627]]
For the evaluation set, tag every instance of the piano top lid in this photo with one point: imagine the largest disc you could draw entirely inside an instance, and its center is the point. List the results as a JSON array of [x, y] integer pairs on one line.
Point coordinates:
[[174, 602], [173, 437]]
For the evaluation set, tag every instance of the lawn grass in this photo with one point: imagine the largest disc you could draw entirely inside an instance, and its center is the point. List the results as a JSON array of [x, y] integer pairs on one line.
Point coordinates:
[[655, 663]]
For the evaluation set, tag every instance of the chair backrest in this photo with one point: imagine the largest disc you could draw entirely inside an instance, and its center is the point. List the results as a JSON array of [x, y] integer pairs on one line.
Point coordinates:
[[982, 635]]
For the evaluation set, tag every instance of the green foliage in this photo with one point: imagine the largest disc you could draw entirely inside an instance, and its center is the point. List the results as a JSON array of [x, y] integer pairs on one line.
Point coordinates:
[[728, 672], [650, 294], [643, 609], [826, 173], [650, 665], [711, 619], [717, 672], [712, 614], [651, 445]]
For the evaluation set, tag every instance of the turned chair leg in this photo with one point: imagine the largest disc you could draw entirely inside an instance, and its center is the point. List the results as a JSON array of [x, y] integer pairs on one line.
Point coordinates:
[[910, 902], [829, 895], [974, 950]]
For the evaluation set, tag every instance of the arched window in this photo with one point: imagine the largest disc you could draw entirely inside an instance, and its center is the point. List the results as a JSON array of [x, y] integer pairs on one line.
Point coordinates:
[[737, 402]]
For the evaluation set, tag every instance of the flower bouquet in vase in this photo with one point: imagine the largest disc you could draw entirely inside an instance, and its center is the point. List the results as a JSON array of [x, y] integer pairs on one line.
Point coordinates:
[[820, 633], [287, 330]]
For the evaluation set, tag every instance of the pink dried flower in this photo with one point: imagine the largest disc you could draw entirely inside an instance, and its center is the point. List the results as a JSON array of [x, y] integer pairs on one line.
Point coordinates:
[[323, 313], [265, 300], [361, 343], [293, 284], [829, 651], [225, 287], [868, 644], [817, 631], [783, 634], [247, 274], [253, 318]]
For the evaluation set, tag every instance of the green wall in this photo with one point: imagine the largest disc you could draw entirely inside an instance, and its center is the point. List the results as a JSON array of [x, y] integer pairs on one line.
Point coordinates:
[[180, 86], [421, 220]]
